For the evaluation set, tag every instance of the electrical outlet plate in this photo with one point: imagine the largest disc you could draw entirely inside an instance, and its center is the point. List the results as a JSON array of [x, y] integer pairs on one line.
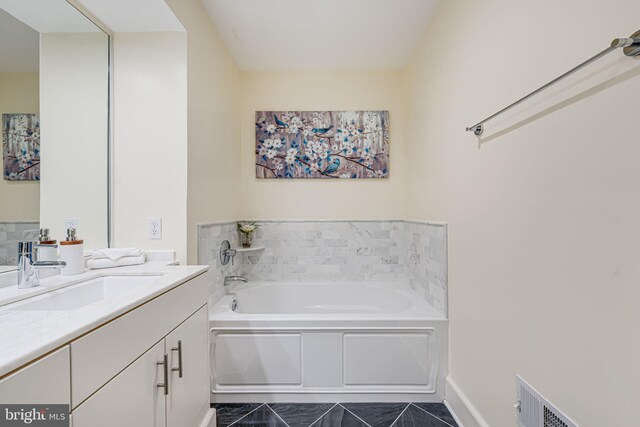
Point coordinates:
[[71, 223], [155, 228]]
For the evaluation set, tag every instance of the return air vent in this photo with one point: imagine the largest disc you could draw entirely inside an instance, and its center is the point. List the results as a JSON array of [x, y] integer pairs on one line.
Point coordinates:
[[536, 411]]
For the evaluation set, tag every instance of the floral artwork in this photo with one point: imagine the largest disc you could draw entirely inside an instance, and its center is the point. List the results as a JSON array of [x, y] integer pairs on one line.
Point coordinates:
[[322, 144], [21, 147]]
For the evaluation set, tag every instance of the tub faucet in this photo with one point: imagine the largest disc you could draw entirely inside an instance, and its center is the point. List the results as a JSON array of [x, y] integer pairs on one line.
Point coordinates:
[[28, 264], [230, 279]]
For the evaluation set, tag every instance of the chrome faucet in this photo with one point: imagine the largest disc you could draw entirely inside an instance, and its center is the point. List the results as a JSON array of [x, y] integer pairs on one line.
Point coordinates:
[[230, 279], [226, 253], [29, 266]]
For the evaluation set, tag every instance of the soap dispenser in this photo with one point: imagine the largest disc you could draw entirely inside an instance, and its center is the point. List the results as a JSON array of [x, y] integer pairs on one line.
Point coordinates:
[[47, 252], [72, 252]]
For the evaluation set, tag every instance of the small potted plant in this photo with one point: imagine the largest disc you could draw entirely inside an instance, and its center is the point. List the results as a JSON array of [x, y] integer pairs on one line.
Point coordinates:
[[246, 230]]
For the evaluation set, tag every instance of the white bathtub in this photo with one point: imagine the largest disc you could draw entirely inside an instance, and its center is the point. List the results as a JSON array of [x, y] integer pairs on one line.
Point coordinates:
[[327, 342]]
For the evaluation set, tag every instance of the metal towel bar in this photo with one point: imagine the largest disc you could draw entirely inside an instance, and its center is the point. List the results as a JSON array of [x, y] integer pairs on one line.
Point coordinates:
[[630, 45]]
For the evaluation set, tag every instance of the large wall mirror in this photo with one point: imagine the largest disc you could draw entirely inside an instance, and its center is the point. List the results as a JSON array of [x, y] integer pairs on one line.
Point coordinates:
[[54, 103]]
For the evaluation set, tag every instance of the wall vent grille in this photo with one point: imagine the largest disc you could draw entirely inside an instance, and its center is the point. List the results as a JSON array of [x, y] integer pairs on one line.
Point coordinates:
[[536, 411]]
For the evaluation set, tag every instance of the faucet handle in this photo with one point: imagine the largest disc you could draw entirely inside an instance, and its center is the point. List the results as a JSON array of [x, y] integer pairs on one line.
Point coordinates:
[[25, 248], [226, 253]]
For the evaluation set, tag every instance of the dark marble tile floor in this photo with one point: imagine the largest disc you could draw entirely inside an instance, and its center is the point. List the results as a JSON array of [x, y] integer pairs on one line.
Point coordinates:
[[333, 415]]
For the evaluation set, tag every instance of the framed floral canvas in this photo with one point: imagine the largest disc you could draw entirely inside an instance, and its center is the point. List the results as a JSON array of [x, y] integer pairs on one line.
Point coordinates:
[[21, 147], [322, 144]]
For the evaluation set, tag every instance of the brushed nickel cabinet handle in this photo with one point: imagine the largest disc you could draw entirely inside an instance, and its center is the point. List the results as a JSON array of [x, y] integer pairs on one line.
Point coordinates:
[[179, 350], [165, 368]]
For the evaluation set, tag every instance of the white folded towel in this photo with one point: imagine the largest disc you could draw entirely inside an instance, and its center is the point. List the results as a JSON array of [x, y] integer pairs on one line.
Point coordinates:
[[115, 254], [108, 263]]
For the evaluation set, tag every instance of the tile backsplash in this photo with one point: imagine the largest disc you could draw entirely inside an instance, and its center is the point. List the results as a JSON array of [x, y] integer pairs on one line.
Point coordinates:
[[327, 251], [12, 232], [210, 236], [402, 252]]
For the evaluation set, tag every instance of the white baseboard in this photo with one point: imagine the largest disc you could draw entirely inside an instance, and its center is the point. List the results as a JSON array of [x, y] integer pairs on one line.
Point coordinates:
[[319, 397], [209, 419], [453, 414], [465, 414]]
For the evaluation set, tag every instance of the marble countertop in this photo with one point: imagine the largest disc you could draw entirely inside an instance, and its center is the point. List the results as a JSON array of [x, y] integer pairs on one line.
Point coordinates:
[[26, 335]]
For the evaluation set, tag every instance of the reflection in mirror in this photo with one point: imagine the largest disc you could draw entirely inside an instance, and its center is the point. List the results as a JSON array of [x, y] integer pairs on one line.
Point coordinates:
[[54, 102], [19, 196]]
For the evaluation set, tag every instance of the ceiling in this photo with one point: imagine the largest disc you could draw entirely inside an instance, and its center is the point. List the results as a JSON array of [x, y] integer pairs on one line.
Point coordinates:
[[19, 46], [22, 21], [49, 16], [134, 15], [320, 34]]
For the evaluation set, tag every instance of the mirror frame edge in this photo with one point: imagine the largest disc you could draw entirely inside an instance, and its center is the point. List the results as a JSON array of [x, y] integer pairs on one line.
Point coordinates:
[[98, 23]]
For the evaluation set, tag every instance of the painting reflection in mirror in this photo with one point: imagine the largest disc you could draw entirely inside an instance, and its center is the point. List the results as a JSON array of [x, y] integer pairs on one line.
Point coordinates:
[[21, 147]]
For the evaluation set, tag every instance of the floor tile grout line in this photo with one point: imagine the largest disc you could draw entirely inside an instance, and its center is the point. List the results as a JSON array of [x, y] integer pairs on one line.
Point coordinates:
[[247, 414], [355, 415], [398, 417], [320, 417], [434, 416], [343, 407], [277, 415]]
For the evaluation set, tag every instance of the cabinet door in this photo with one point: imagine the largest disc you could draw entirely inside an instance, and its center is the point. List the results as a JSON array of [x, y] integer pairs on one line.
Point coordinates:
[[45, 382], [189, 393], [131, 399], [98, 357]]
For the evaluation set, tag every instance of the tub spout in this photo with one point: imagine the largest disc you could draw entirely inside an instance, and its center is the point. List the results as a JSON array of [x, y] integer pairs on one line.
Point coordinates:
[[230, 279]]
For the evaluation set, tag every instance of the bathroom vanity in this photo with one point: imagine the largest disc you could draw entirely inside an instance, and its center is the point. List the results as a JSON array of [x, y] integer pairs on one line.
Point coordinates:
[[128, 347]]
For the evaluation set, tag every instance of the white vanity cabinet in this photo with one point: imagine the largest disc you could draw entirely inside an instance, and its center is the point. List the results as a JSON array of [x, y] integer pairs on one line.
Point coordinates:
[[145, 392], [45, 381], [145, 367], [139, 395]]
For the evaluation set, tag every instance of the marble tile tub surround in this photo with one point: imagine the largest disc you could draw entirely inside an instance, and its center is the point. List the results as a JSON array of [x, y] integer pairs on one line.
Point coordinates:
[[404, 252], [210, 236], [12, 232]]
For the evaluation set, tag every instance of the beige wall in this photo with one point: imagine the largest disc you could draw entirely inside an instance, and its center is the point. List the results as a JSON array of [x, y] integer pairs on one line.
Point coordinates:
[[323, 199], [213, 129], [176, 132], [543, 215], [74, 111], [150, 139], [19, 93], [544, 234]]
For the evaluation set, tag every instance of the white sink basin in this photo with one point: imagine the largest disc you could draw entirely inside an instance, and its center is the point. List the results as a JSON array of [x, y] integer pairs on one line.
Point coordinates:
[[85, 293]]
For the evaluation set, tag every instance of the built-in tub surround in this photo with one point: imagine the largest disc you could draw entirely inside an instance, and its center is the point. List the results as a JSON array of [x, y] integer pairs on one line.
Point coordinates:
[[345, 341], [394, 251], [427, 261]]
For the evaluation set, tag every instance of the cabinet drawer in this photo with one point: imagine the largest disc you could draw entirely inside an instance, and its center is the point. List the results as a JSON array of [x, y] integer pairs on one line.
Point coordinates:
[[102, 354], [43, 382]]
